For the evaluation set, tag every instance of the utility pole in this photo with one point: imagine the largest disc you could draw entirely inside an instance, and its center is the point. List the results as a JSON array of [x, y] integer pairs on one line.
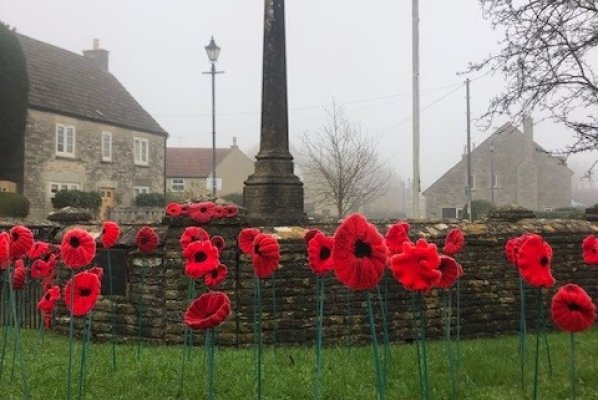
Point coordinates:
[[469, 176], [492, 176], [415, 106]]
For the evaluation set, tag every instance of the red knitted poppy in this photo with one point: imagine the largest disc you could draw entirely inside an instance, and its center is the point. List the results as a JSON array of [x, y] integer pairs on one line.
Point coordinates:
[[42, 268], [216, 276], [218, 242], [192, 234], [21, 240], [245, 240], [201, 212], [572, 309], [590, 250], [99, 271], [359, 253], [218, 212], [173, 209], [77, 248], [200, 258], [416, 268], [230, 211], [396, 235], [39, 250], [319, 252], [451, 270], [110, 234], [512, 248], [207, 311], [146, 239], [4, 250], [534, 259], [48, 301], [454, 242], [86, 289], [266, 255], [309, 235], [19, 275]]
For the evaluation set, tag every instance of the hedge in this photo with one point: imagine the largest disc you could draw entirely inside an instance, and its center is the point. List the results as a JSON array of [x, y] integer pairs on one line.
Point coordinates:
[[150, 200], [13, 205], [78, 199]]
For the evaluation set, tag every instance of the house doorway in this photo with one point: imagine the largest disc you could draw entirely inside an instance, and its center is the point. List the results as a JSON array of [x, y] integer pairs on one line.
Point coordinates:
[[108, 202]]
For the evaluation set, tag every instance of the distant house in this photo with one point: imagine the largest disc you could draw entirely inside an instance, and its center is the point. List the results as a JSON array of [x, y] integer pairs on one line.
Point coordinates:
[[84, 131], [523, 174], [189, 170]]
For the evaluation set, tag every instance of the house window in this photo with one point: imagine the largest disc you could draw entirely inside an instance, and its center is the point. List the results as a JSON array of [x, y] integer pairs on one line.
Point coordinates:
[[65, 140], [140, 151], [55, 187], [495, 180], [178, 185], [452, 212], [107, 146], [209, 183], [141, 189]]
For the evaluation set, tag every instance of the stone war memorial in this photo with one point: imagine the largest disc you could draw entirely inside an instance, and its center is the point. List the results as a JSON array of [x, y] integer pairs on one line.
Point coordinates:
[[229, 302]]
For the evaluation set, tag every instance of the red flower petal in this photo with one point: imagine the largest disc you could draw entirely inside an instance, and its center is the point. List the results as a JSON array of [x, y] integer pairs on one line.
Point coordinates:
[[192, 234], [110, 234], [319, 251], [395, 237], [48, 301], [218, 242], [173, 209], [41, 268], [85, 288], [146, 239], [534, 260], [207, 311], [359, 253], [512, 248], [201, 212], [21, 240], [39, 250], [450, 271], [245, 240], [4, 250], [265, 256], [19, 275], [77, 248], [231, 211], [454, 242], [218, 212], [310, 233], [416, 268], [200, 258], [572, 309], [99, 271], [590, 250], [216, 276]]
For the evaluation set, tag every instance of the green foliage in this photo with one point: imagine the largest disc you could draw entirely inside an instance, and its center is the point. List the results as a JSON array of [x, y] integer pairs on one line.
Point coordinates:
[[562, 213], [13, 205], [236, 198], [150, 200], [479, 209], [78, 199], [174, 197]]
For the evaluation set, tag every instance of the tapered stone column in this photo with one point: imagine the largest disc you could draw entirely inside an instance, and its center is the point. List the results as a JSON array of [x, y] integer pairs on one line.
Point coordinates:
[[273, 195]]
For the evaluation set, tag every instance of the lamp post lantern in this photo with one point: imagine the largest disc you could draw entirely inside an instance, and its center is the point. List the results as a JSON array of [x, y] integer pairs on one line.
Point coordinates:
[[213, 51]]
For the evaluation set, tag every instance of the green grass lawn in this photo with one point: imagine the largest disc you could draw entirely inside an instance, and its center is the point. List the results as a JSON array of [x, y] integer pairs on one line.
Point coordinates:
[[489, 370]]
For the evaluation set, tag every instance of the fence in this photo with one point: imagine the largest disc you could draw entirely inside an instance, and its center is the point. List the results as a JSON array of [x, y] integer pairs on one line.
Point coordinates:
[[25, 304]]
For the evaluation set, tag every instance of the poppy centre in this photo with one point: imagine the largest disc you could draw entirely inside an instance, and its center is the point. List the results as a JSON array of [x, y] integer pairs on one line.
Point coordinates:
[[200, 256], [85, 292], [324, 253], [362, 249], [74, 242], [544, 261]]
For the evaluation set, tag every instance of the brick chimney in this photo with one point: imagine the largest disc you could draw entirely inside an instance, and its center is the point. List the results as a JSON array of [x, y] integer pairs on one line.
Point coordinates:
[[528, 136], [100, 56]]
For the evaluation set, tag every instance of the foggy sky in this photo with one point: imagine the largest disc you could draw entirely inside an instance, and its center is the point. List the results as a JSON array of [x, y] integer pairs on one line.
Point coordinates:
[[356, 52]]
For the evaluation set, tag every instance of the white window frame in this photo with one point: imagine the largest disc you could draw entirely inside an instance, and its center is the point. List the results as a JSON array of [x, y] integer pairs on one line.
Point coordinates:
[[209, 183], [62, 186], [140, 157], [495, 182], [179, 185], [137, 190], [62, 130], [106, 146]]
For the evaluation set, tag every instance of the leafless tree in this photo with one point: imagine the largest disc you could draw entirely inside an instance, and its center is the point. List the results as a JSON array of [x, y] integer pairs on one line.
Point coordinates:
[[340, 164], [545, 59]]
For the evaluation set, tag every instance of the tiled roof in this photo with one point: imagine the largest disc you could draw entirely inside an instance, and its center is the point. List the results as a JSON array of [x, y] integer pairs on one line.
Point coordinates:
[[191, 162], [67, 83]]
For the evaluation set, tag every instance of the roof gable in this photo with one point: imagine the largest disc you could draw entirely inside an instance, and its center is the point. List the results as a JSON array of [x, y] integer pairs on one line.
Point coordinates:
[[192, 162], [67, 83]]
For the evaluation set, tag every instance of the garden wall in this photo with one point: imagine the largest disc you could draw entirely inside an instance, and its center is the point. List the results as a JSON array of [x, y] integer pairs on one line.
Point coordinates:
[[489, 288]]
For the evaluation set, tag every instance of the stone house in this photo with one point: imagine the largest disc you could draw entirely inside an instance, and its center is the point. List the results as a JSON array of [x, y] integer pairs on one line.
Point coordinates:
[[523, 174], [189, 170], [84, 131]]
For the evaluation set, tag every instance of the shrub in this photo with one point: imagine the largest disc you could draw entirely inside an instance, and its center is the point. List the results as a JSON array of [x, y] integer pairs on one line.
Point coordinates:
[[479, 209], [78, 199], [13, 205], [236, 198], [150, 200], [562, 213]]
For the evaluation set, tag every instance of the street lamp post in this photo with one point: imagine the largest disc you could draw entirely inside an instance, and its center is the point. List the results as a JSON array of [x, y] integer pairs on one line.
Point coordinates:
[[213, 52], [492, 180]]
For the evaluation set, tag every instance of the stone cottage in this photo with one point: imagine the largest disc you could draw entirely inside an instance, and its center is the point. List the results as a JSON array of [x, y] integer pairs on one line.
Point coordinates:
[[507, 168], [189, 170], [84, 131]]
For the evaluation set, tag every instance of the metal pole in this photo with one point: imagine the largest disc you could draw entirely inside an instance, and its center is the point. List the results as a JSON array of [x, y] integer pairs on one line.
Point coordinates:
[[213, 130], [415, 71], [469, 176], [492, 182]]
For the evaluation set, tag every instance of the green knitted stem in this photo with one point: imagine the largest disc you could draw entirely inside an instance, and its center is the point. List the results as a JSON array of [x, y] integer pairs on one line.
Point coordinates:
[[572, 367], [382, 302], [112, 311], [189, 335], [141, 310], [210, 348], [84, 350], [545, 337], [320, 283], [273, 317], [71, 328], [3, 320], [17, 331], [423, 324], [539, 310], [522, 333], [259, 339], [349, 318], [458, 326], [446, 305], [376, 356]]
